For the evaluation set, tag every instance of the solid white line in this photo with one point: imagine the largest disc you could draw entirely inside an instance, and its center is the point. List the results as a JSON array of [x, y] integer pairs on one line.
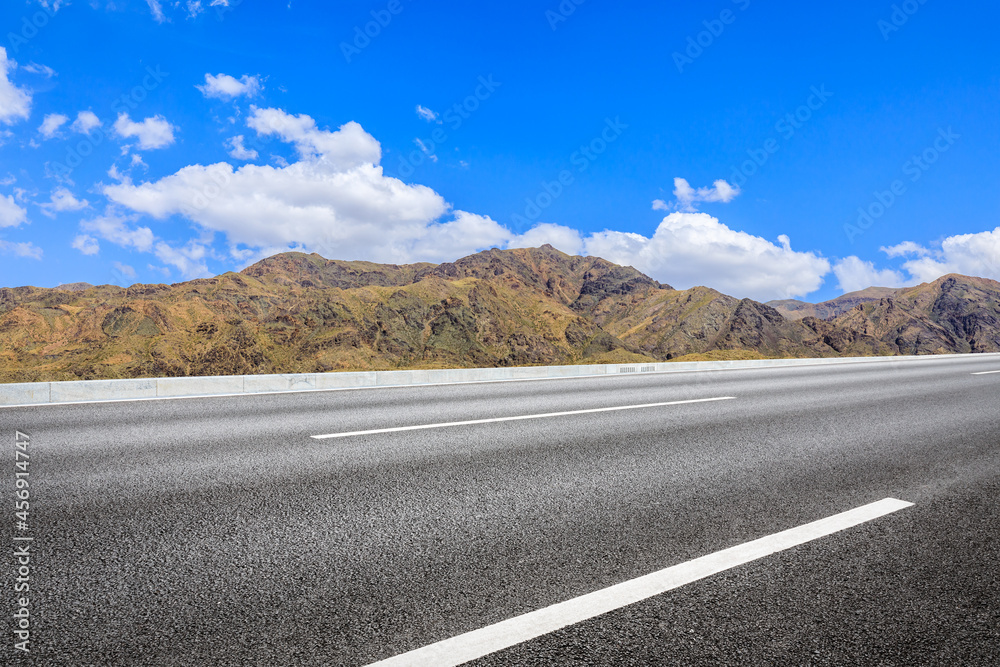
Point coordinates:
[[517, 418], [986, 372], [493, 638]]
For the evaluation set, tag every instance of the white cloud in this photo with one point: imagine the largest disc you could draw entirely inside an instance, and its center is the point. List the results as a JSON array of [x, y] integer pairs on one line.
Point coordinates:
[[115, 229], [36, 68], [350, 146], [15, 103], [157, 9], [238, 150], [689, 249], [11, 215], [188, 259], [463, 235], [967, 254], [85, 122], [86, 244], [426, 114], [687, 197], [194, 8], [20, 249], [905, 248], [334, 200], [124, 269], [54, 5], [856, 274], [563, 238], [152, 133], [63, 200], [426, 151], [223, 86], [51, 124]]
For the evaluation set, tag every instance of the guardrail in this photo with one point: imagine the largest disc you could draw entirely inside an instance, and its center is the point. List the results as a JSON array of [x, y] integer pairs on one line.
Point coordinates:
[[34, 393]]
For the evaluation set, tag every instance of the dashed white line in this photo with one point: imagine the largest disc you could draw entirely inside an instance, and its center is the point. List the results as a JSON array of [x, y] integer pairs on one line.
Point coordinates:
[[516, 418], [986, 372], [493, 638]]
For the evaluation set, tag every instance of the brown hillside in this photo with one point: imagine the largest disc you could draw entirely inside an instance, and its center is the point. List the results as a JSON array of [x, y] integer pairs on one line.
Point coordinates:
[[302, 313]]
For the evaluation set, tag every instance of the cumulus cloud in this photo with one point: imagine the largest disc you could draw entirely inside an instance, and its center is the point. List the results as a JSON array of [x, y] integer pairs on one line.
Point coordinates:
[[855, 274], [238, 150], [189, 259], [350, 146], [562, 238], [62, 200], [689, 249], [115, 228], [968, 254], [687, 197], [15, 103], [20, 249], [152, 133], [51, 124], [335, 200], [85, 122], [225, 87], [11, 214], [86, 244], [905, 248]]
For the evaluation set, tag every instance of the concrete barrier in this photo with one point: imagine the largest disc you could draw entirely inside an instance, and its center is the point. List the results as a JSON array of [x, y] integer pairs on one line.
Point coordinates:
[[101, 390], [198, 386], [35, 393]]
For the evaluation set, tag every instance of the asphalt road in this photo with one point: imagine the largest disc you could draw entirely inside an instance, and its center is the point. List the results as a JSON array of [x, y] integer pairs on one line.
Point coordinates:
[[219, 532]]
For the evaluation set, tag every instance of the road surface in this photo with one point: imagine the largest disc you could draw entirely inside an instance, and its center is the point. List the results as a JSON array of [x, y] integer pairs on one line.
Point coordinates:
[[221, 531]]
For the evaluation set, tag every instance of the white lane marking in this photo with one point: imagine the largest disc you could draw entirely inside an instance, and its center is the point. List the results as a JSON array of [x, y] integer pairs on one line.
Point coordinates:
[[493, 638], [986, 372], [517, 418]]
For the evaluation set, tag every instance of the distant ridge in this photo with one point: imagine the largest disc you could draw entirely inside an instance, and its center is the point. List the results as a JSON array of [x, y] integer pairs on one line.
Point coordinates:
[[74, 287], [297, 312], [794, 309]]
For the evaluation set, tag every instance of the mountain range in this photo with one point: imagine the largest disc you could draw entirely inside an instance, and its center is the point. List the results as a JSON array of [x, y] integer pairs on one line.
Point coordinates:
[[297, 312]]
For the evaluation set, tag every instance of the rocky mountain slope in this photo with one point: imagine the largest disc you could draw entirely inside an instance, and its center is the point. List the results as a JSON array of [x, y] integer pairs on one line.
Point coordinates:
[[302, 313], [953, 314], [794, 309]]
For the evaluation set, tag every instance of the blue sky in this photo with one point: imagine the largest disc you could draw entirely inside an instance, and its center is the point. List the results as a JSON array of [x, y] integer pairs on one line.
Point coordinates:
[[769, 150]]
